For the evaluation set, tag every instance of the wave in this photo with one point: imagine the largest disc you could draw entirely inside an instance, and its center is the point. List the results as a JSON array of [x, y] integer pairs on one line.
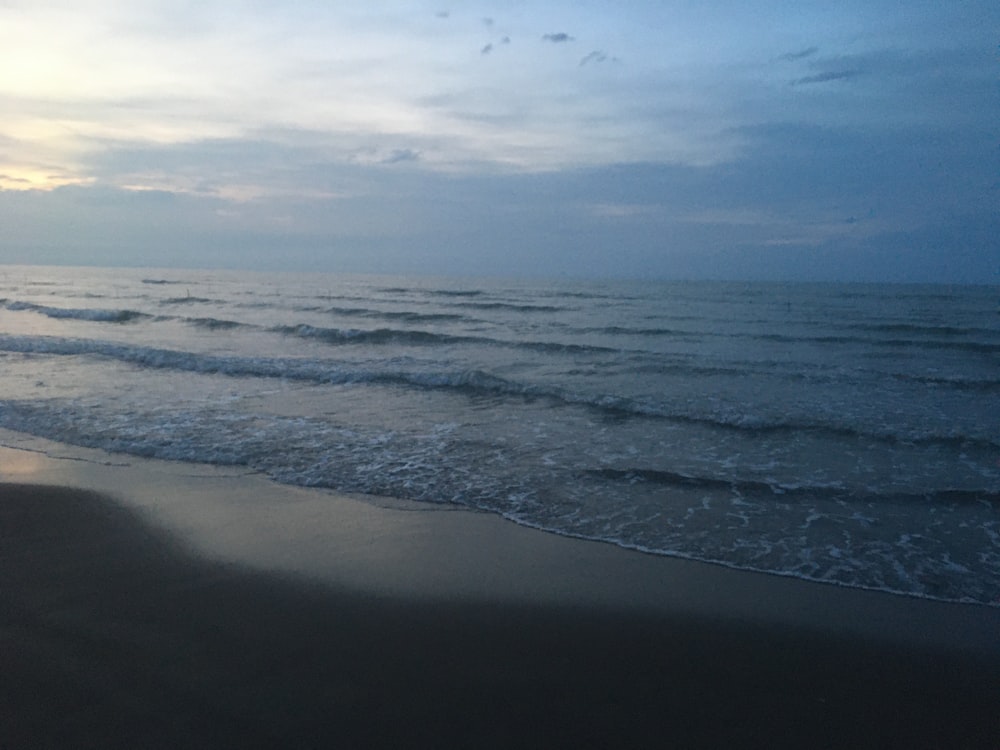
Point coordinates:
[[675, 479], [348, 312], [791, 493], [432, 292], [930, 344], [184, 300], [966, 346], [471, 293], [819, 374], [955, 382], [89, 314], [625, 407], [381, 336], [406, 316], [98, 315], [251, 305], [557, 294], [473, 382], [979, 347], [928, 330], [415, 317], [512, 306], [454, 292], [162, 282], [376, 336], [626, 331], [757, 427], [319, 371], [216, 323]]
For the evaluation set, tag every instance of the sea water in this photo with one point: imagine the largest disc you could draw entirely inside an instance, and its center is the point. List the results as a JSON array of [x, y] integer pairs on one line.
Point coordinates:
[[839, 433]]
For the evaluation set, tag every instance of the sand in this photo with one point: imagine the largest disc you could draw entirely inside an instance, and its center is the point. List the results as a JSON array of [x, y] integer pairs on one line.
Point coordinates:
[[162, 605]]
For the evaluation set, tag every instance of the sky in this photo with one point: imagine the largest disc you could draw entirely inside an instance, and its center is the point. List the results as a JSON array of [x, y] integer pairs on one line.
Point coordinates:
[[724, 139]]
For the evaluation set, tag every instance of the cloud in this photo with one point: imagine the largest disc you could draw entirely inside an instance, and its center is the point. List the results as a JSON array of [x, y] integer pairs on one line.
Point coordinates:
[[622, 210], [808, 52], [442, 14], [486, 50], [400, 155], [558, 37], [597, 56], [833, 75], [19, 182], [487, 21]]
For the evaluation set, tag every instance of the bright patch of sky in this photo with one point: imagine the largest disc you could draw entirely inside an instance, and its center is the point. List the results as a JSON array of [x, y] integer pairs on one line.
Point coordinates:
[[686, 138]]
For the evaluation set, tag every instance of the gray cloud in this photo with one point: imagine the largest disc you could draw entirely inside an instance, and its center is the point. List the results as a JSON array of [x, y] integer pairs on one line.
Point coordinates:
[[486, 50], [442, 14], [597, 56], [833, 75], [808, 52], [400, 155], [558, 37]]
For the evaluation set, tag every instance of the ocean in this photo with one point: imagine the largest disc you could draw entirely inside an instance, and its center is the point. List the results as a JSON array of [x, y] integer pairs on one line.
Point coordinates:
[[848, 434]]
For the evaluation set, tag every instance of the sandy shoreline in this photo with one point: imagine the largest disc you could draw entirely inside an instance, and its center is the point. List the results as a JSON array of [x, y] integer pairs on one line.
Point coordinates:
[[163, 605]]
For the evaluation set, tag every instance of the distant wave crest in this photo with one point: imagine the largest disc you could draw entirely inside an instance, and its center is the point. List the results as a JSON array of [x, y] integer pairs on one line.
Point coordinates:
[[91, 314]]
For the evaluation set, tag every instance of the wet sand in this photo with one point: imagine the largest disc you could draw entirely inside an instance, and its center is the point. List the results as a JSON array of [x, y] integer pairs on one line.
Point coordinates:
[[118, 632]]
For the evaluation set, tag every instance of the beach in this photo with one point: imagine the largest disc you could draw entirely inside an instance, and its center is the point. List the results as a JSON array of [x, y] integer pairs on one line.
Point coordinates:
[[159, 604]]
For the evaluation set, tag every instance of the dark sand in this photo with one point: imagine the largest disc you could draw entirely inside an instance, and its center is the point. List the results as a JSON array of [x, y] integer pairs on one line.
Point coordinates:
[[112, 635]]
